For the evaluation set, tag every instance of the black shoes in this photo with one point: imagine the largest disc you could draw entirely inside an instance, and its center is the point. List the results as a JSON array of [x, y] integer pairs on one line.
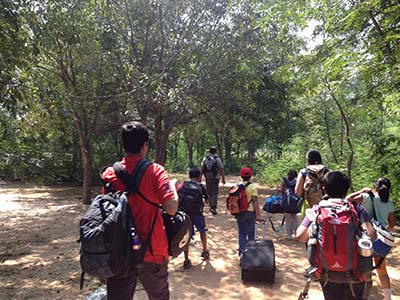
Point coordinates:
[[213, 211], [205, 255], [187, 264]]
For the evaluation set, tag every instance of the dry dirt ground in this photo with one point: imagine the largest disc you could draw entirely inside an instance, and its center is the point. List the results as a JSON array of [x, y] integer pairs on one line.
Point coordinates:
[[39, 253]]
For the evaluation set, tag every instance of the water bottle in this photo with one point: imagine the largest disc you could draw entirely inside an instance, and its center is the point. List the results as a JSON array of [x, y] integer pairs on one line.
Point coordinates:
[[99, 294], [136, 242]]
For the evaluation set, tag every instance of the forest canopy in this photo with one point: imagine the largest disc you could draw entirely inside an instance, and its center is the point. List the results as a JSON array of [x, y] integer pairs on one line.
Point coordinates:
[[263, 81]]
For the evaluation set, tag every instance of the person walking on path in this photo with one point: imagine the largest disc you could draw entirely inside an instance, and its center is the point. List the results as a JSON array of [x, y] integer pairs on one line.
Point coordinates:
[[213, 170], [379, 207], [291, 222], [247, 220], [155, 185], [192, 197], [308, 183], [336, 284]]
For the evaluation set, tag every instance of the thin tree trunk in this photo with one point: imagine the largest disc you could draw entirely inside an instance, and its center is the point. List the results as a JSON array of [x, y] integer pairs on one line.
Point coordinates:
[[189, 144], [328, 133], [219, 146], [347, 131], [86, 152]]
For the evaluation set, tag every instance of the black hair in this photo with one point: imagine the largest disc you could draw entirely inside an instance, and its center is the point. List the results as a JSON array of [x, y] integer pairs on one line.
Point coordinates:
[[134, 135], [194, 172], [336, 184], [246, 178], [292, 174], [213, 150], [382, 186], [313, 157]]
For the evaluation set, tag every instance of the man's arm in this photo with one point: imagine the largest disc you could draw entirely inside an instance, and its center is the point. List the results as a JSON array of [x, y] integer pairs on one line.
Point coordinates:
[[171, 205], [221, 171]]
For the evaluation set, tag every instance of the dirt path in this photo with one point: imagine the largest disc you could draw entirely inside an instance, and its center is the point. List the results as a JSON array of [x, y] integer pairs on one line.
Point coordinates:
[[39, 255]]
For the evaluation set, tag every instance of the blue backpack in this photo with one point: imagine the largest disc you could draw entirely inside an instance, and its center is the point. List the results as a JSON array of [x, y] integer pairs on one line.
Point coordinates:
[[290, 202], [273, 205]]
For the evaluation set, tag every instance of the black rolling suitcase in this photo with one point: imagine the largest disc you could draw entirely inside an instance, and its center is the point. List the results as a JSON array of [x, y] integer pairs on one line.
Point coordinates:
[[257, 262]]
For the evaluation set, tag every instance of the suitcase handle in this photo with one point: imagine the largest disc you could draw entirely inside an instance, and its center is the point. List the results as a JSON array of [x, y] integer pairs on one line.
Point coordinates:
[[262, 230]]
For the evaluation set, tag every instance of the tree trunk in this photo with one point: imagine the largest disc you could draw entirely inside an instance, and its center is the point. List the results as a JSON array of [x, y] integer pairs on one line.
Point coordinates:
[[347, 133], [251, 150], [161, 136], [228, 150], [219, 146], [189, 144], [328, 133], [85, 147]]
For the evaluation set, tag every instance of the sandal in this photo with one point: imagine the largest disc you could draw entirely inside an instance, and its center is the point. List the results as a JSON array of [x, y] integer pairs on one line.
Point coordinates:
[[187, 264], [205, 254]]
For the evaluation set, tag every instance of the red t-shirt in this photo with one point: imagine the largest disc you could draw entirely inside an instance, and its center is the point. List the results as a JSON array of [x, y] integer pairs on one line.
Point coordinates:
[[155, 186]]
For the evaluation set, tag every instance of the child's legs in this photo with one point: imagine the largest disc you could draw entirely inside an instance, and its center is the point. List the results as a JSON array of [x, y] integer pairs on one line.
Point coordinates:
[[251, 221], [246, 226], [288, 224], [295, 223], [200, 223], [186, 252], [242, 232], [382, 273], [203, 238]]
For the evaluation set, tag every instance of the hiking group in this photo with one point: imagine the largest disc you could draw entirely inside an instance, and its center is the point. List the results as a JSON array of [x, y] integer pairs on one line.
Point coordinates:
[[130, 224], [341, 233]]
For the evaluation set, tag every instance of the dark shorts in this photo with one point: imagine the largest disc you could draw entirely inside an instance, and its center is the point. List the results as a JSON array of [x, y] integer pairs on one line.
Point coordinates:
[[154, 278], [200, 223]]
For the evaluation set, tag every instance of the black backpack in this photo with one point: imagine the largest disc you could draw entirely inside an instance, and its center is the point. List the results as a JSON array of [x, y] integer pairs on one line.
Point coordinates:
[[191, 198], [290, 202], [178, 227], [210, 166], [106, 231], [179, 231]]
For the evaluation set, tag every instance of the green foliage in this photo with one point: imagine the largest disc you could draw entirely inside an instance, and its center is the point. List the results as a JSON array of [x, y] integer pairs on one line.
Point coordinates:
[[239, 75]]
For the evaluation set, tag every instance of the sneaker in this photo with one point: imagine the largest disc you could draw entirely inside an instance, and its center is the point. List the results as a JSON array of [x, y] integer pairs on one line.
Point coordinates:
[[187, 264], [205, 254], [213, 211]]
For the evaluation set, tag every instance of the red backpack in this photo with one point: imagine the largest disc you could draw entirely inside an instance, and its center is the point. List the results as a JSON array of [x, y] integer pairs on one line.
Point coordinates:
[[237, 201], [337, 226]]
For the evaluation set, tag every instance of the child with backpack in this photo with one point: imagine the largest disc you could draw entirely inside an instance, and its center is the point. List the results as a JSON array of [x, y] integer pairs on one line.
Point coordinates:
[[192, 196], [379, 207], [247, 220], [290, 203], [308, 183], [334, 226]]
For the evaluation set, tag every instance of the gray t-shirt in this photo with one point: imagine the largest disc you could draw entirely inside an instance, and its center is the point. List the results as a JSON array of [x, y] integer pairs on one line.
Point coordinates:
[[214, 164]]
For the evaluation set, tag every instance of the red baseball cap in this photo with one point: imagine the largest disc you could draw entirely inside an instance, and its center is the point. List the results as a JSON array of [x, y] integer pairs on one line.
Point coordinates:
[[245, 172]]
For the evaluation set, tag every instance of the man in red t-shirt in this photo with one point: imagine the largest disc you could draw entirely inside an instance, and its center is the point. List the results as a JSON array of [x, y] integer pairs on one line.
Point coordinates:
[[155, 186]]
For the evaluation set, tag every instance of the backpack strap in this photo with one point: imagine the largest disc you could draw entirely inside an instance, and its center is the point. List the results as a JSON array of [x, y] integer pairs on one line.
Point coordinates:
[[372, 196], [286, 181], [132, 182], [245, 186]]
